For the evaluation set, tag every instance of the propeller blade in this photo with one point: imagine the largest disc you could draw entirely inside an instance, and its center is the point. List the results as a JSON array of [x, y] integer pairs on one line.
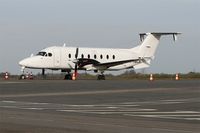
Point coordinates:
[[76, 63], [76, 55], [75, 70]]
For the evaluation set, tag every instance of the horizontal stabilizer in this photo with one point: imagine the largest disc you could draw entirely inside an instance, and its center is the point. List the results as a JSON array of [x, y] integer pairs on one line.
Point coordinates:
[[174, 34], [150, 42]]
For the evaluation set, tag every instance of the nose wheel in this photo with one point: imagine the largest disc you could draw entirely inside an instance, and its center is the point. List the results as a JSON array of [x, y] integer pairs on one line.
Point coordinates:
[[22, 76]]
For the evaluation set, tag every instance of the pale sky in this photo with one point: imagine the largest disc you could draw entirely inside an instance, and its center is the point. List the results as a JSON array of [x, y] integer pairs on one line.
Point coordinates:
[[27, 26]]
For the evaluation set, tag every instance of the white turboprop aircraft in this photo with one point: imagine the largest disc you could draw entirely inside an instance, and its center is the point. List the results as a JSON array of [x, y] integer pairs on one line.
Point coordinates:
[[96, 59]]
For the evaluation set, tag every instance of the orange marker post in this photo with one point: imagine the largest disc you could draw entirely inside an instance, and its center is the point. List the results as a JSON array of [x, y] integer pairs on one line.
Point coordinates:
[[151, 77], [73, 76], [6, 77], [177, 77]]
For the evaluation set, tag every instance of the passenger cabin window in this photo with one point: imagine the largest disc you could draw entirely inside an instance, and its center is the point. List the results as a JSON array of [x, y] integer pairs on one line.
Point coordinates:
[[95, 56], [69, 56], [113, 57], [42, 54], [88, 56], [82, 56], [101, 56], [107, 56]]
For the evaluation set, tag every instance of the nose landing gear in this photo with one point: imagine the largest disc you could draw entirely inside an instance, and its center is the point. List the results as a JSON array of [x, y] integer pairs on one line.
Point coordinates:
[[22, 76]]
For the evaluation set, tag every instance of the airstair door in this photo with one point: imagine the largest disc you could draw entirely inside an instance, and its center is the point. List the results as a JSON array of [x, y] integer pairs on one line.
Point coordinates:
[[57, 57]]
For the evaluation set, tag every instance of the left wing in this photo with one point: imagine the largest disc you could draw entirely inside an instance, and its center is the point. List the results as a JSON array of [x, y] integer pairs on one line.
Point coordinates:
[[83, 62], [111, 64]]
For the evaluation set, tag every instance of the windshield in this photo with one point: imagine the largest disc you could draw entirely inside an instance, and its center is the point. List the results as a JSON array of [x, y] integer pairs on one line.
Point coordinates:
[[42, 53]]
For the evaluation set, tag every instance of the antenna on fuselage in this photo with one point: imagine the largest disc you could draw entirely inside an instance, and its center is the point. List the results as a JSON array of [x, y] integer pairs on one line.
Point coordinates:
[[64, 45], [32, 55]]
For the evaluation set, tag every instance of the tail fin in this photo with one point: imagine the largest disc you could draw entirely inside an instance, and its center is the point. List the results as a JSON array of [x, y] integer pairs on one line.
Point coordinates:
[[150, 43], [148, 47]]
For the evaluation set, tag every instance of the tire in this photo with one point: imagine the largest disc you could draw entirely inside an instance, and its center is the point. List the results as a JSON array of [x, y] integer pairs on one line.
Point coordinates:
[[22, 77], [68, 77], [101, 77]]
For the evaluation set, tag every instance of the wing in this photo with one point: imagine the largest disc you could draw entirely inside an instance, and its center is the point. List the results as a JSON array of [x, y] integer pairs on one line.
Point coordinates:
[[111, 64], [83, 62]]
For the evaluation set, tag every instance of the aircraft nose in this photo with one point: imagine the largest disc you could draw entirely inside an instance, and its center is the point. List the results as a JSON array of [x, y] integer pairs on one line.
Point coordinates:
[[22, 63]]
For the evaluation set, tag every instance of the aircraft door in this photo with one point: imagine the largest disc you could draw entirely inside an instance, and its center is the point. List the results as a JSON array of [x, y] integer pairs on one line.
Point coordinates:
[[57, 57]]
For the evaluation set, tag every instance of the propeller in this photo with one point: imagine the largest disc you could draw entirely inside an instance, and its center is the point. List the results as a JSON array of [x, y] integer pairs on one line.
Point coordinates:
[[76, 62]]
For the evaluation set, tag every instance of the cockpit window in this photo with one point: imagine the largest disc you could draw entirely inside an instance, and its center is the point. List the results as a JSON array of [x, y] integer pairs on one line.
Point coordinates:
[[49, 54], [42, 54]]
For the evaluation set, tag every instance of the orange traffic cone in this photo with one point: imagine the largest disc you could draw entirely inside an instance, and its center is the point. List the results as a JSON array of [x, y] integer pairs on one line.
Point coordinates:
[[27, 75], [151, 77], [6, 77], [73, 76], [177, 77]]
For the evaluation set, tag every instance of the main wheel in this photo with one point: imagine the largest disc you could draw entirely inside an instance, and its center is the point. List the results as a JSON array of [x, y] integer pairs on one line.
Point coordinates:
[[68, 76], [101, 77]]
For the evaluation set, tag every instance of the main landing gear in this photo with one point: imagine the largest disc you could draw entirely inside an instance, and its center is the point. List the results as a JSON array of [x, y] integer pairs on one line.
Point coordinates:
[[68, 76], [101, 77]]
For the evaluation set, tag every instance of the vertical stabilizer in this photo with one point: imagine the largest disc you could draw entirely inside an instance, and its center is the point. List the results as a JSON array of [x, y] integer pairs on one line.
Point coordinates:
[[150, 43], [147, 49]]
